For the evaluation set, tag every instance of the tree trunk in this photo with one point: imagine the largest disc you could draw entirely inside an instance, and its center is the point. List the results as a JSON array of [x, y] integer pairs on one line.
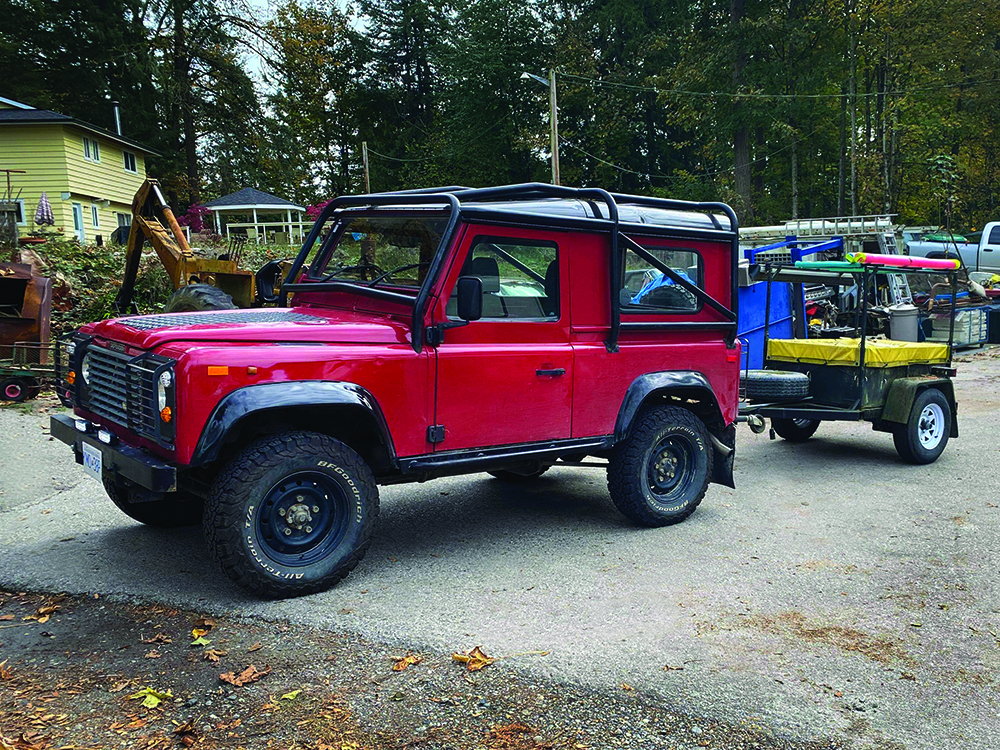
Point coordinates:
[[182, 79], [795, 171], [741, 133], [842, 171]]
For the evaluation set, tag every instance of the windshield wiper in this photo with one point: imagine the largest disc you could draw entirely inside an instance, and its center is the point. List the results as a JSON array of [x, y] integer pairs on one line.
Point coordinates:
[[345, 269], [407, 267]]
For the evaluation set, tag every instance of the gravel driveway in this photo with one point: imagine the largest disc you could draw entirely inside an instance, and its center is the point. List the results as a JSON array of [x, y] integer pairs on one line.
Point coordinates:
[[837, 593]]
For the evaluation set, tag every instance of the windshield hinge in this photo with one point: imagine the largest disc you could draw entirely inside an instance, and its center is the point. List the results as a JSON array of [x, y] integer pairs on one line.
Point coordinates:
[[435, 433]]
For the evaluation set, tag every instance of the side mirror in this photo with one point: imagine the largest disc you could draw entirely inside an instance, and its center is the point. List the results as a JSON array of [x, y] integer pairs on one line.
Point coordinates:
[[470, 298]]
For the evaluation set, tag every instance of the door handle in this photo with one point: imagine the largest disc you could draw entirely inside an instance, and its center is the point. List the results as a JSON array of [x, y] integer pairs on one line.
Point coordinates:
[[551, 373]]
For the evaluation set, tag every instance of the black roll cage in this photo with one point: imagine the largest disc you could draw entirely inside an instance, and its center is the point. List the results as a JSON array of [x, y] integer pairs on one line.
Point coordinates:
[[452, 198]]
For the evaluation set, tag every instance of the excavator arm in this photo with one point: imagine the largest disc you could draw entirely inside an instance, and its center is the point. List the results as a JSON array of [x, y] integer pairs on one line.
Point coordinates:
[[152, 221]]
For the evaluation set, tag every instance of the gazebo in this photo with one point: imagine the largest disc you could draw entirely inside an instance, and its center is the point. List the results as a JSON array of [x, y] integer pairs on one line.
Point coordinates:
[[259, 216]]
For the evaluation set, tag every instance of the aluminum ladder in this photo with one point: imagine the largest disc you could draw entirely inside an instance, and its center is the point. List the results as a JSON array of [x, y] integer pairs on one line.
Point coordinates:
[[899, 287]]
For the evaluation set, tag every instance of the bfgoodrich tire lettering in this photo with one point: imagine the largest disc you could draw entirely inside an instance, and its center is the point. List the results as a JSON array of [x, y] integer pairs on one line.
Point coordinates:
[[291, 514], [659, 474]]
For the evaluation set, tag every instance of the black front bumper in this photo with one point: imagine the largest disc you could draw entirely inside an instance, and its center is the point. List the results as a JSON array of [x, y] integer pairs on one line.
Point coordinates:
[[133, 464]]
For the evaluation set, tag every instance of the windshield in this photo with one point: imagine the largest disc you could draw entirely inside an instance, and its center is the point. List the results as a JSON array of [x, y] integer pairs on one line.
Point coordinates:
[[385, 250]]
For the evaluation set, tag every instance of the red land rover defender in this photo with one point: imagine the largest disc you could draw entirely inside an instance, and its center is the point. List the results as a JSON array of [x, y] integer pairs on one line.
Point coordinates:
[[431, 333]]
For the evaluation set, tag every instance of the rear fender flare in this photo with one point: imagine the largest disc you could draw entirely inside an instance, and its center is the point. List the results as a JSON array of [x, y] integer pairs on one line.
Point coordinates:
[[254, 400], [686, 384], [654, 385], [903, 392]]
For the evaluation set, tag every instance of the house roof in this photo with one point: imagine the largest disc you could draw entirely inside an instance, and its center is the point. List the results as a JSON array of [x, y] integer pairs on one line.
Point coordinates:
[[251, 198], [22, 114]]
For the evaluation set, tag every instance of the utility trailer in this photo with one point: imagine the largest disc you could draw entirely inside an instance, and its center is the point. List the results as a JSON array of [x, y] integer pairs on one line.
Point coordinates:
[[900, 387]]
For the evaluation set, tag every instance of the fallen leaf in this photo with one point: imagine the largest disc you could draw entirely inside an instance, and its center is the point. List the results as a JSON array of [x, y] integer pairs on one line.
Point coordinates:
[[6, 617], [158, 638], [200, 641], [291, 696], [202, 627], [402, 662], [5, 672], [626, 686], [474, 660], [255, 647], [213, 655], [186, 733], [152, 698], [670, 668], [248, 675], [154, 654]]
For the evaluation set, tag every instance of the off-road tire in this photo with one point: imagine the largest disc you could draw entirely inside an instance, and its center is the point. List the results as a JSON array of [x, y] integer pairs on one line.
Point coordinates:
[[513, 477], [775, 385], [629, 467], [175, 509], [16, 390], [198, 297], [240, 501], [795, 430], [906, 437]]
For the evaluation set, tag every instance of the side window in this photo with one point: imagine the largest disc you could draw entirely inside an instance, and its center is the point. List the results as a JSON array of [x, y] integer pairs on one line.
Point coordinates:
[[994, 236], [520, 278], [646, 289]]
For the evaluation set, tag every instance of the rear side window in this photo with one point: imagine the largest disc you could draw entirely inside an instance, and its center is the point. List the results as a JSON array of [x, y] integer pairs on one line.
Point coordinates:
[[646, 289], [995, 236], [520, 278]]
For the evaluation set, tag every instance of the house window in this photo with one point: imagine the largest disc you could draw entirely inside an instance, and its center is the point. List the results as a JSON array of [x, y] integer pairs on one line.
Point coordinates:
[[91, 150], [19, 212], [124, 220], [129, 158], [95, 217]]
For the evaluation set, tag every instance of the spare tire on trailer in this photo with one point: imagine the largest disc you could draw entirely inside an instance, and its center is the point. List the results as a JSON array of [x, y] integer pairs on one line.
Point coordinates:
[[766, 385], [197, 297]]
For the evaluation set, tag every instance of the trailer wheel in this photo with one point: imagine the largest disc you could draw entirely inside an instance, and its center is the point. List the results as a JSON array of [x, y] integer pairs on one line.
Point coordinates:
[[659, 474], [924, 437], [769, 385], [795, 430], [291, 514], [198, 297], [15, 389]]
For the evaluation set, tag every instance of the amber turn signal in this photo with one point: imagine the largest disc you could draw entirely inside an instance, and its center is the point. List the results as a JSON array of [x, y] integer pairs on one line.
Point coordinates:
[[165, 414], [71, 377]]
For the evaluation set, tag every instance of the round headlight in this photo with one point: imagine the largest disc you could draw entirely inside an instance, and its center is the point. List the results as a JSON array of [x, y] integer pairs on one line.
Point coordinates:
[[166, 379], [85, 369], [70, 348]]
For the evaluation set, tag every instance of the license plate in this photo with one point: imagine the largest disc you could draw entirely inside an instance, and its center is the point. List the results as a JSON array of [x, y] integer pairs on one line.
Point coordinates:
[[92, 460]]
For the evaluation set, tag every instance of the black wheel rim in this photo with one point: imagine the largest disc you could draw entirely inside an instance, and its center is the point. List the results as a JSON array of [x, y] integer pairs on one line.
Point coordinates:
[[670, 468], [302, 519]]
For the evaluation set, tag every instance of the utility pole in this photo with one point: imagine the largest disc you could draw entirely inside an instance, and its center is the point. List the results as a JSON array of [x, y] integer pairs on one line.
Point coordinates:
[[554, 119], [364, 159]]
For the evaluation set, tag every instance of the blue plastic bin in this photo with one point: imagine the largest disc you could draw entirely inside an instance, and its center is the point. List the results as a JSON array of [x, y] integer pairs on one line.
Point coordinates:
[[752, 300]]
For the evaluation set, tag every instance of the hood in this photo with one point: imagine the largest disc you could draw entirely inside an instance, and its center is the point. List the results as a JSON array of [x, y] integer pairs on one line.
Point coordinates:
[[296, 325]]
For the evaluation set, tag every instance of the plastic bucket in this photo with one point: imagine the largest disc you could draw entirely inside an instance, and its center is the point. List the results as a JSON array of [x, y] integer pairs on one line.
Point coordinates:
[[903, 322]]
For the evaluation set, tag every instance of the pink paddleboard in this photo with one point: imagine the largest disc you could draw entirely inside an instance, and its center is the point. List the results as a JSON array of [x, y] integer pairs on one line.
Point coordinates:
[[905, 261]]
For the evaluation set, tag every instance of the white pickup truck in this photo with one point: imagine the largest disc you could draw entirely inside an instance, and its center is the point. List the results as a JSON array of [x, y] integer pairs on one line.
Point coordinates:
[[977, 256]]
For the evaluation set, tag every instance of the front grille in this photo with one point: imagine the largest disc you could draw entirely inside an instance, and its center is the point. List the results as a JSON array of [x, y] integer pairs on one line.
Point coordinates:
[[122, 388]]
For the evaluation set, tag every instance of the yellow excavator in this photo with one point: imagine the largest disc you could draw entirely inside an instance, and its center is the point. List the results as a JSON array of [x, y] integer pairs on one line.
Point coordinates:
[[201, 283]]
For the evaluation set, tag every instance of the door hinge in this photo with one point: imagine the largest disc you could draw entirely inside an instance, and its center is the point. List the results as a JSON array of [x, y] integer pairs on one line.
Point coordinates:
[[435, 433]]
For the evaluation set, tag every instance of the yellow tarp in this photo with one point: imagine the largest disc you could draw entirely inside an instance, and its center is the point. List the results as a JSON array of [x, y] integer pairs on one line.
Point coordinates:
[[846, 352]]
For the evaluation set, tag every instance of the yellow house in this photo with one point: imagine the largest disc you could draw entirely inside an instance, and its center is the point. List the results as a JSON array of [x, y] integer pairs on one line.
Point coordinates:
[[88, 173]]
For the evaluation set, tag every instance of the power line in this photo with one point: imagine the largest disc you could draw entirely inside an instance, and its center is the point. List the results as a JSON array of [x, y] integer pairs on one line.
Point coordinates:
[[752, 95], [698, 176], [442, 155]]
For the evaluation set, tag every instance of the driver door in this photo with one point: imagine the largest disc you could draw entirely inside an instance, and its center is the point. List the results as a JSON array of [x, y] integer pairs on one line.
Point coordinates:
[[507, 378]]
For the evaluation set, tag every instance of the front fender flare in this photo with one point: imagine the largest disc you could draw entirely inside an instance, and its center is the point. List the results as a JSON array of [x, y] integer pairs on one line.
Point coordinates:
[[254, 399]]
